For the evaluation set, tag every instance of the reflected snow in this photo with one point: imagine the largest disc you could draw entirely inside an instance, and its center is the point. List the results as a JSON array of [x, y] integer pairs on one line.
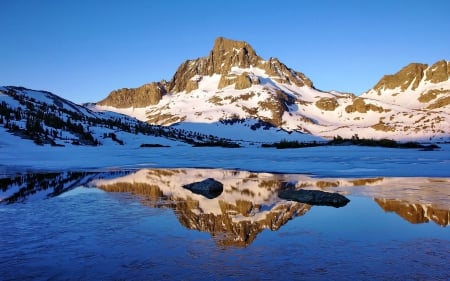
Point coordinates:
[[142, 224]]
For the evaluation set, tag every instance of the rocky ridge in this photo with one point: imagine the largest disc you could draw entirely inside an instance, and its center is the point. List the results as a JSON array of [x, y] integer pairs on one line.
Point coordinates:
[[233, 84]]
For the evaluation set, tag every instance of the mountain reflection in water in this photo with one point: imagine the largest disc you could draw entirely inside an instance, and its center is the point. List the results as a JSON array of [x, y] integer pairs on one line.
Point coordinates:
[[249, 202]]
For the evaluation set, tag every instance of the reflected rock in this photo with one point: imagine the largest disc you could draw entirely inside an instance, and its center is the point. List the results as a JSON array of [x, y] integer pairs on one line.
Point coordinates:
[[247, 205], [210, 188], [415, 212], [250, 201], [314, 197]]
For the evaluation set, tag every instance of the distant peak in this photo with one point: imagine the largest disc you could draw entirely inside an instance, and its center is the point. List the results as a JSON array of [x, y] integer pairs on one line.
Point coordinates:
[[410, 76]]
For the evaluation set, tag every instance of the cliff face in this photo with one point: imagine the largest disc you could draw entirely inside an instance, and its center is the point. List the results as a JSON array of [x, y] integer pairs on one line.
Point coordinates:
[[148, 94], [438, 72], [409, 76], [225, 55]]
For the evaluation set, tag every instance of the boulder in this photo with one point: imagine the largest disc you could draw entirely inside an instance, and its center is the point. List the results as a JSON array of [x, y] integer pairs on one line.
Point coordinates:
[[314, 197], [210, 188]]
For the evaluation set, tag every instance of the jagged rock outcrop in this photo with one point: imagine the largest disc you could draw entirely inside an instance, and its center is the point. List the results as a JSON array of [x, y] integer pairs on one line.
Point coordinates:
[[409, 76], [327, 104], [143, 96], [277, 104], [243, 82], [359, 105], [281, 73], [228, 53], [438, 72], [224, 55]]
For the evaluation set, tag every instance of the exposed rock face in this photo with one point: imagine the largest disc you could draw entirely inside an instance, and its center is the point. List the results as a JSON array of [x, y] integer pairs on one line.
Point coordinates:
[[283, 74], [360, 106], [440, 103], [227, 54], [327, 104], [143, 96], [314, 197], [243, 81], [409, 76], [438, 72], [277, 105], [224, 55]]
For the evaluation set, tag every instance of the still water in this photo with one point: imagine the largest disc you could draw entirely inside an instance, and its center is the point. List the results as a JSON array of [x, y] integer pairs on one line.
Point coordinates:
[[143, 225]]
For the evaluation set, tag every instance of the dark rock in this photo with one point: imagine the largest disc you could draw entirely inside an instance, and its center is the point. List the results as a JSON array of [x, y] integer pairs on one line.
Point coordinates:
[[210, 188], [314, 197], [153, 145]]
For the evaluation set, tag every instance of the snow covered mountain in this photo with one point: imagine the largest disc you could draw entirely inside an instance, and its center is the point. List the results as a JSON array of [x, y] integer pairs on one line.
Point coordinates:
[[46, 118], [233, 91]]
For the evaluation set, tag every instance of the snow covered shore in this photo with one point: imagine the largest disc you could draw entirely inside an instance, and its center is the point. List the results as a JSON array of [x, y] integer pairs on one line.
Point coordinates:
[[344, 161]]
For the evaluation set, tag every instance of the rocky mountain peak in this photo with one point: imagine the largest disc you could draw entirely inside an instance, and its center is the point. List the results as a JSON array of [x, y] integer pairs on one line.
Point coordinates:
[[224, 55], [413, 74], [148, 94], [409, 76], [438, 72], [227, 53]]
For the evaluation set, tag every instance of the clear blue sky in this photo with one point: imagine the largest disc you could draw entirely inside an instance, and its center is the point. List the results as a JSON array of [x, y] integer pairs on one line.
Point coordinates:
[[83, 49]]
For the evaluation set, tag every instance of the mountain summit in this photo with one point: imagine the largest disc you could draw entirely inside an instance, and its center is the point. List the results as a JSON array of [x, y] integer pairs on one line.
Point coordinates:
[[225, 55], [234, 87]]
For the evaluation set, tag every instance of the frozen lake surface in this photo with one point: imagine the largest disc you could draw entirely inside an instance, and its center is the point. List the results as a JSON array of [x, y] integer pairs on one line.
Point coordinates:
[[337, 161], [141, 224]]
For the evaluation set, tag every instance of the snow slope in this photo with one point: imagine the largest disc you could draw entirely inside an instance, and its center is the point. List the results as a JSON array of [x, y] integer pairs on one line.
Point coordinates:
[[400, 117]]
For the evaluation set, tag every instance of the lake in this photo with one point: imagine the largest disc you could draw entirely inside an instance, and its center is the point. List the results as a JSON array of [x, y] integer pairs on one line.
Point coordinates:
[[141, 224]]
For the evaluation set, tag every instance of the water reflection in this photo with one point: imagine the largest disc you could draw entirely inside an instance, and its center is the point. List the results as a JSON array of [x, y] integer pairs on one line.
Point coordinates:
[[249, 202], [29, 186], [415, 213]]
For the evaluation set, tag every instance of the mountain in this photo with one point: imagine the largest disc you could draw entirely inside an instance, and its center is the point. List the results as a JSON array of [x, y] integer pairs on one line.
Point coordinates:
[[233, 91], [46, 118]]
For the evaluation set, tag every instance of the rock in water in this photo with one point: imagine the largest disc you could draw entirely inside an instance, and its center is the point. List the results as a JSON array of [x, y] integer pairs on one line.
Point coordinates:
[[210, 188], [314, 197]]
